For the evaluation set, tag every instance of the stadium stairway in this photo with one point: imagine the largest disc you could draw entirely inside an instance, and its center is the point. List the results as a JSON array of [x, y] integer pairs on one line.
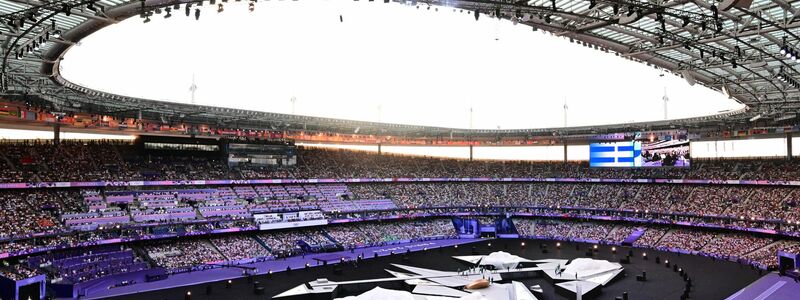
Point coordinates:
[[759, 249], [635, 235], [262, 243], [215, 248], [141, 253], [329, 237], [8, 162], [512, 228]]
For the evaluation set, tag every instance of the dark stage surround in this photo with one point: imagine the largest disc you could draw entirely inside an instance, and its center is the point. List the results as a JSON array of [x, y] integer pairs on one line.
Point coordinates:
[[711, 279]]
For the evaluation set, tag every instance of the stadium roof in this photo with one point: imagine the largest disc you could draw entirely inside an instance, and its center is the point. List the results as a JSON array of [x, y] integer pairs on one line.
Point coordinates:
[[731, 47]]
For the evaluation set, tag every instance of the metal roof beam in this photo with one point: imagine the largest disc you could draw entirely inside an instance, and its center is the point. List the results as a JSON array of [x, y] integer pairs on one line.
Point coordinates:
[[74, 11]]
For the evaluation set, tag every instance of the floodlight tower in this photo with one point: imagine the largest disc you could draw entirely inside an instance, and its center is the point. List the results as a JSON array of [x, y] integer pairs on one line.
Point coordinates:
[[293, 100], [471, 117], [666, 99], [193, 88], [566, 108]]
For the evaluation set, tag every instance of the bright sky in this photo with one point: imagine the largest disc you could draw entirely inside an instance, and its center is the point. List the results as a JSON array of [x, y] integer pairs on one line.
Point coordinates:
[[420, 66]]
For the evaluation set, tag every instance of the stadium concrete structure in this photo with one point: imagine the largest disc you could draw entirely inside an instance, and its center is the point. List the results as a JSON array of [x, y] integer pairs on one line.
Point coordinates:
[[219, 203]]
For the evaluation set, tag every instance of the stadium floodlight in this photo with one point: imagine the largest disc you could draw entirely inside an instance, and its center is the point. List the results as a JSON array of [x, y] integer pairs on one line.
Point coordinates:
[[197, 14], [755, 118], [726, 91], [786, 117], [628, 18]]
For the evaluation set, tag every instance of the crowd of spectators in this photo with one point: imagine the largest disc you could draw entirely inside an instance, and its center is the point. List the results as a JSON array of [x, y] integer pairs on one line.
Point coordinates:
[[360, 235], [32, 161], [285, 243], [685, 239], [17, 271], [183, 253], [237, 247], [734, 244], [619, 233], [746, 248], [651, 237], [767, 255], [24, 212], [34, 211]]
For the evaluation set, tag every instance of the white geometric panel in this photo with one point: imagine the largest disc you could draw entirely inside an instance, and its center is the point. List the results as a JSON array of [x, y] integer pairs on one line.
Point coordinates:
[[438, 290], [584, 286]]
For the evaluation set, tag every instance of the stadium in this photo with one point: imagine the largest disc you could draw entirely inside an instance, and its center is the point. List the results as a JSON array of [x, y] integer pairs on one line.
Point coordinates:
[[443, 149]]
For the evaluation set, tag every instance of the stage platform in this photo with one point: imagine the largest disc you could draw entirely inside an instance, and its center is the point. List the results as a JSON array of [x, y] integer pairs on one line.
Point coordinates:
[[711, 279], [770, 287], [212, 275]]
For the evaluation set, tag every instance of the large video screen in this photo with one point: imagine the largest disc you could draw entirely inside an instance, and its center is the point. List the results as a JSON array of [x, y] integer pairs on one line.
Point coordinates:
[[641, 150]]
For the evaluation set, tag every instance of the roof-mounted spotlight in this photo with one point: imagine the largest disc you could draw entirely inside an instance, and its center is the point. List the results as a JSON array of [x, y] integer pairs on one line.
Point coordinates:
[[168, 14], [220, 8], [728, 4], [628, 18], [726, 91], [197, 14]]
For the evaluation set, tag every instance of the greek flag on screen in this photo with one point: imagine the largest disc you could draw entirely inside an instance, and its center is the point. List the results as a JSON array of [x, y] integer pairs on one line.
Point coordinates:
[[617, 154]]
